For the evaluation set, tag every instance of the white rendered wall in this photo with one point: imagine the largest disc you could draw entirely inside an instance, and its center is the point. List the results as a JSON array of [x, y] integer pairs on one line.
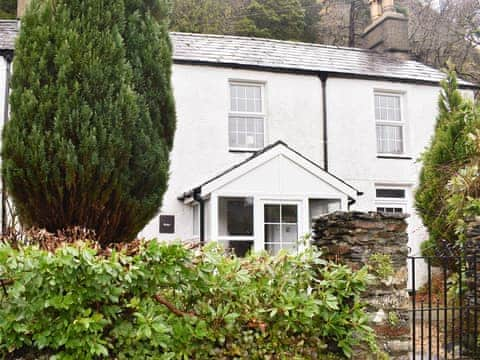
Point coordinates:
[[293, 114], [352, 141]]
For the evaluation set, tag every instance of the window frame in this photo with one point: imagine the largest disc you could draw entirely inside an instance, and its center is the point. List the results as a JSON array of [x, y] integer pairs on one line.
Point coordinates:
[[244, 114], [402, 123], [391, 202]]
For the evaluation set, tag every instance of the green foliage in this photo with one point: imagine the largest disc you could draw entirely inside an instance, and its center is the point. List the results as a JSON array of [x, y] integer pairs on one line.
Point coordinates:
[[204, 16], [449, 151], [92, 117], [167, 302], [381, 266], [8, 9], [277, 19]]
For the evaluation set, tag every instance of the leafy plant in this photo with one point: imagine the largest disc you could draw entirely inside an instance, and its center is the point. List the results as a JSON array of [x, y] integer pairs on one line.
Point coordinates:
[[165, 301], [381, 266], [92, 118]]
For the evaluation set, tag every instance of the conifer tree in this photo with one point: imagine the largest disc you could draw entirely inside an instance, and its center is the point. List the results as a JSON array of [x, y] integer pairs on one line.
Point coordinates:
[[448, 152], [88, 142]]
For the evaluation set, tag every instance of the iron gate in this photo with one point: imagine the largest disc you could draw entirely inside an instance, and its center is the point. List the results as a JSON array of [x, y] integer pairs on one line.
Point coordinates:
[[445, 311]]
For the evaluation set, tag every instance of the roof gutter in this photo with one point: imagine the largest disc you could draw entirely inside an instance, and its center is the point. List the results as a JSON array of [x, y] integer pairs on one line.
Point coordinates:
[[323, 78]]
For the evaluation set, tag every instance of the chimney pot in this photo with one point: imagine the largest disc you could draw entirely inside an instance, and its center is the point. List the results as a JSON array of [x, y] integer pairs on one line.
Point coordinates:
[[388, 32]]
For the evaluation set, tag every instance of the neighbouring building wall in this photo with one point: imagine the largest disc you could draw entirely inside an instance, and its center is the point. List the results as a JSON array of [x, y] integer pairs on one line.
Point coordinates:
[[293, 113], [355, 239]]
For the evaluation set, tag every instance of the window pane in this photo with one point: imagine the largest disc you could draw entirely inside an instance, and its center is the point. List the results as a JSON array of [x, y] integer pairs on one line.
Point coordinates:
[[289, 214], [246, 98], [235, 217], [387, 108], [390, 193], [272, 213], [389, 139], [251, 125], [246, 132], [390, 210]]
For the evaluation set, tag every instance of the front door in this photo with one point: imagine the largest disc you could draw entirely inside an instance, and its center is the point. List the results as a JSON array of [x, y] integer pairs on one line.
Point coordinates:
[[281, 226]]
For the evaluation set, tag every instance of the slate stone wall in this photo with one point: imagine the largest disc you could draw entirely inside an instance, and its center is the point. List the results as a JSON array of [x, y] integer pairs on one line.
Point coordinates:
[[352, 238]]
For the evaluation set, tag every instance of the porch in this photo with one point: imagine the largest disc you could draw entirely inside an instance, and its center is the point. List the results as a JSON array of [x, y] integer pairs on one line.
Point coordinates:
[[266, 202]]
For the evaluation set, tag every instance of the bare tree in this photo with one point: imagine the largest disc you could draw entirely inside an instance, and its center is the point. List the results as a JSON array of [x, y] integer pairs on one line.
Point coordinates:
[[447, 32], [342, 22]]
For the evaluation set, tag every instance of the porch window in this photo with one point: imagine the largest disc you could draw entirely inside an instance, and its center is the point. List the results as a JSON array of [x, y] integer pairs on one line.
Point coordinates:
[[235, 223], [389, 123], [246, 121], [281, 227]]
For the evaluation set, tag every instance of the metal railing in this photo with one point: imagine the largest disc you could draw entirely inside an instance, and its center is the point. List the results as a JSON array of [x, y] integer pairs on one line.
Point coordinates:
[[445, 311]]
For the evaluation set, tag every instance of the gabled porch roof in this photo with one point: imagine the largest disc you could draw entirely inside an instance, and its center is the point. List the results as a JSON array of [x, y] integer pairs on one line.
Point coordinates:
[[259, 158]]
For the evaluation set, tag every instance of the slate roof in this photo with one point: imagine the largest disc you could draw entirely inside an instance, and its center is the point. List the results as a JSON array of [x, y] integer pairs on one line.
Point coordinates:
[[240, 51], [8, 32], [276, 55]]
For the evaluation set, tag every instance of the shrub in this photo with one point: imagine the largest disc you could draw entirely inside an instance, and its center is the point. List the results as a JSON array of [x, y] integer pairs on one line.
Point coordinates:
[[164, 301], [449, 151], [92, 118]]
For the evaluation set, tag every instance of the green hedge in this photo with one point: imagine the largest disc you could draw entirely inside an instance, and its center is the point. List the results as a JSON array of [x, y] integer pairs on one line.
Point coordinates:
[[168, 302]]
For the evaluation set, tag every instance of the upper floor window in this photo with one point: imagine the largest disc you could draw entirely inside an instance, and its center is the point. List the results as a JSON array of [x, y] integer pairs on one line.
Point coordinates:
[[389, 122], [246, 120]]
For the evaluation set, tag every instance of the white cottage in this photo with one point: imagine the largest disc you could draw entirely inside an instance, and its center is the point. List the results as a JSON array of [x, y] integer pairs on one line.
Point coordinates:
[[272, 133]]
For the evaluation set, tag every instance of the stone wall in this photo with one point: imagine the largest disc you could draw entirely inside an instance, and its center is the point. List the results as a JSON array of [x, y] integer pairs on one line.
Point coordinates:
[[353, 238]]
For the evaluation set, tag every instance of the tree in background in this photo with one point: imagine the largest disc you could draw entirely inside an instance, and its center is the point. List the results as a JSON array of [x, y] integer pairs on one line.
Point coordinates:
[[277, 19], [202, 16], [342, 22], [87, 145], [449, 151], [8, 9]]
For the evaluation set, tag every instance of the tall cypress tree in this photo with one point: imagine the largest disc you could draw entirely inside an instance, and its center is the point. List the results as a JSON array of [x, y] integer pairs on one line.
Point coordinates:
[[448, 152], [88, 142]]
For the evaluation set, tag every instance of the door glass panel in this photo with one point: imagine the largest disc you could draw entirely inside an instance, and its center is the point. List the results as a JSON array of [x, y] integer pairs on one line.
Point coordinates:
[[281, 227], [289, 233]]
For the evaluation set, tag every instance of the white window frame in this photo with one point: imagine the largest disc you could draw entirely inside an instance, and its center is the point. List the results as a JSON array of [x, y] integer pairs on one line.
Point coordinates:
[[261, 114], [387, 202], [401, 123], [236, 237]]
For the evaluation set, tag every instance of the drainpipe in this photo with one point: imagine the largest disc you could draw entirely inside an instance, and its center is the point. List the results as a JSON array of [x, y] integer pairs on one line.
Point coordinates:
[[201, 202], [8, 56], [323, 78]]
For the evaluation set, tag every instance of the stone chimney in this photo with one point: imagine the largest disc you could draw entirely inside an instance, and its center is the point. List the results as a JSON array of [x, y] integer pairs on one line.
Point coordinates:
[[21, 7], [388, 32]]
